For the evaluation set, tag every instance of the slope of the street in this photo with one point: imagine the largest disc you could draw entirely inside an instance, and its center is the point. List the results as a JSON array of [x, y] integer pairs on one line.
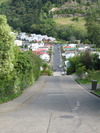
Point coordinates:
[[60, 106]]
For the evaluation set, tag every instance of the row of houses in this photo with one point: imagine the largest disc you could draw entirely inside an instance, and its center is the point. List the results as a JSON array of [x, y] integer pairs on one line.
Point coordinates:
[[42, 52], [70, 50], [35, 37], [36, 44]]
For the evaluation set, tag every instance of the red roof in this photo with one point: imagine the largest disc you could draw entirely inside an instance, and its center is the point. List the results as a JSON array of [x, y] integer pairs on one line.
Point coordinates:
[[38, 52], [67, 47], [41, 49], [47, 45], [42, 52]]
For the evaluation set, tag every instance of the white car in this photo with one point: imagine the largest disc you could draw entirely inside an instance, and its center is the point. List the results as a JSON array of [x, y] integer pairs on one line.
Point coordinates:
[[63, 73], [60, 66]]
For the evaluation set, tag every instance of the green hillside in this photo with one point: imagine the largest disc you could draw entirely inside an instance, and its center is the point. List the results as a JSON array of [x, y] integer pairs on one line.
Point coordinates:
[[40, 17], [75, 21], [5, 1]]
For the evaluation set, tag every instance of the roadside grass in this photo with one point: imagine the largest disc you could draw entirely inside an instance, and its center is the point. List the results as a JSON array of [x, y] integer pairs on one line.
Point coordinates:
[[69, 21], [83, 81], [10, 97], [97, 91], [96, 76]]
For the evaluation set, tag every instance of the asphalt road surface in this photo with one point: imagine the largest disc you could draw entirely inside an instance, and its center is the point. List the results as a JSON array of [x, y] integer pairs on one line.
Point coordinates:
[[57, 59], [60, 105]]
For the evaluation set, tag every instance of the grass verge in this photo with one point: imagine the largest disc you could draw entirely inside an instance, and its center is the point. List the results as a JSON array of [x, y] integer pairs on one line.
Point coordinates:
[[97, 91], [95, 76], [10, 97], [83, 81]]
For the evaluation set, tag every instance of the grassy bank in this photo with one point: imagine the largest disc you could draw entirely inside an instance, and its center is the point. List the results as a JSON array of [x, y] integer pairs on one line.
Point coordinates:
[[79, 21], [97, 91], [95, 76], [10, 97]]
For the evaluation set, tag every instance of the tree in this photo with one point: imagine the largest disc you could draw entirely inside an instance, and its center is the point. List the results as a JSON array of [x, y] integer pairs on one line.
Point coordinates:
[[93, 24], [7, 56], [80, 72], [86, 59]]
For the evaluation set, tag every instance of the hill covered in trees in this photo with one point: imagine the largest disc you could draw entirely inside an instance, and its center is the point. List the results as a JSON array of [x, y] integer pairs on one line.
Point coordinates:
[[31, 15], [36, 16]]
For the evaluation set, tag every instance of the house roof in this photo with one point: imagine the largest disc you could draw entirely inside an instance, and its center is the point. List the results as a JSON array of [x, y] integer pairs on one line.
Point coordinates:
[[39, 52], [67, 47], [47, 45], [70, 49], [42, 49]]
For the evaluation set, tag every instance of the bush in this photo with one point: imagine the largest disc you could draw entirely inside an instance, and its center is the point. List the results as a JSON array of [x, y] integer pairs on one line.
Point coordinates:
[[26, 71], [75, 19], [80, 72], [90, 74], [87, 41], [46, 72], [73, 63]]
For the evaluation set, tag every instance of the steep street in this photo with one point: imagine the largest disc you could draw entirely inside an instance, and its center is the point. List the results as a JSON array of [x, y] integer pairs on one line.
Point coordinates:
[[60, 106]]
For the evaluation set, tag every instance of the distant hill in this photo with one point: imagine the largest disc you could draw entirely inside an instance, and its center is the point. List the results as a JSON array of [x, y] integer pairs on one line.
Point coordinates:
[[37, 15]]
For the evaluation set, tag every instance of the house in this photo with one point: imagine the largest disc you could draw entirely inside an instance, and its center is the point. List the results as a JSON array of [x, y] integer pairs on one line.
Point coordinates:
[[18, 42], [44, 48], [45, 57], [35, 38], [69, 55], [34, 46], [72, 45], [66, 47], [48, 45], [39, 53], [71, 49]]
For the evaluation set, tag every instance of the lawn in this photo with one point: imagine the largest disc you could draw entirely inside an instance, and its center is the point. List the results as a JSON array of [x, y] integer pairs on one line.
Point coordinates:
[[97, 91], [68, 21], [96, 76]]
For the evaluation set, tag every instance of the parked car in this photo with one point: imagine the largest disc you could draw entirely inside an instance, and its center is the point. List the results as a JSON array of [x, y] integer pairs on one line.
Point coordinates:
[[60, 66], [63, 73]]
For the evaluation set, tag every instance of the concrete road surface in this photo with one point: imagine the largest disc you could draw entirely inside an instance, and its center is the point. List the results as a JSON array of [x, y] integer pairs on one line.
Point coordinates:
[[55, 104]]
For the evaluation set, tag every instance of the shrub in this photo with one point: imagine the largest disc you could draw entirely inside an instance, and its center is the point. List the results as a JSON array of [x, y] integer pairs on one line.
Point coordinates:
[[80, 72], [90, 74], [46, 72], [75, 19]]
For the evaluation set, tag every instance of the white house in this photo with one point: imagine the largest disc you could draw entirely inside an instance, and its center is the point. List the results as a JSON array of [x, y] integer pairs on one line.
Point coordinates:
[[18, 42], [72, 45], [34, 37], [34, 46], [69, 55], [45, 57]]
